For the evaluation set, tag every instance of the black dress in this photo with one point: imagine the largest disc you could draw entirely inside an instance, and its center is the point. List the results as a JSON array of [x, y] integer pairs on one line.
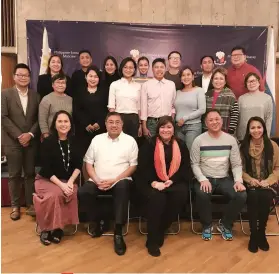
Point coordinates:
[[88, 109], [44, 85], [52, 159], [161, 207]]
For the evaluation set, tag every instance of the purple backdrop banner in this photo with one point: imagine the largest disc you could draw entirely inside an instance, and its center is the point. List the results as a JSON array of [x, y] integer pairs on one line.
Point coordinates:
[[68, 38]]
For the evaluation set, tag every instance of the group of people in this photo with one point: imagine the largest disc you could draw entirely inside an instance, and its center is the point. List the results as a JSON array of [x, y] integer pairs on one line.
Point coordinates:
[[90, 127]]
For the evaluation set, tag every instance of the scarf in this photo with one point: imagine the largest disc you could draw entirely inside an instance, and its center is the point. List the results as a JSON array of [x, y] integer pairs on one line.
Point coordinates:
[[160, 163]]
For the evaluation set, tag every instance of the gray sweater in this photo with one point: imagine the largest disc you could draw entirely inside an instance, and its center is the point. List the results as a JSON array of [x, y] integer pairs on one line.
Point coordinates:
[[190, 105], [212, 157], [254, 104], [49, 105]]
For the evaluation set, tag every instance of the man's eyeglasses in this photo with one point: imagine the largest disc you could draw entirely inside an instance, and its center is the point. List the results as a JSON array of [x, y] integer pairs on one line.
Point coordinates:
[[174, 58], [22, 76], [237, 55], [252, 81]]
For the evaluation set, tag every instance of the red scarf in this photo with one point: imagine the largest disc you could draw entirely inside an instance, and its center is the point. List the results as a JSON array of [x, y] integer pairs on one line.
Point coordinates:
[[159, 160]]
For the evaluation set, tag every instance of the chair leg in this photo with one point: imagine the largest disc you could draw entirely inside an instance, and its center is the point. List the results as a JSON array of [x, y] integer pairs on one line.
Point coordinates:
[[274, 207], [37, 230], [242, 226]]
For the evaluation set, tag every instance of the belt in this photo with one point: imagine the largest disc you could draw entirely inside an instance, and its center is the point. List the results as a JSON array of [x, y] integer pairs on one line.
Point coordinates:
[[153, 118]]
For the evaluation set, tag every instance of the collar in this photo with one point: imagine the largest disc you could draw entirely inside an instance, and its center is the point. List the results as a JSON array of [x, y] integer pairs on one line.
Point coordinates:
[[20, 92], [241, 67], [160, 81], [126, 81], [120, 136], [208, 77]]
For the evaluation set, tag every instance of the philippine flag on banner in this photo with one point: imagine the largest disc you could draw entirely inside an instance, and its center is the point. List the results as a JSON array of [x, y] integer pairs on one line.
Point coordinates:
[[46, 51], [270, 77]]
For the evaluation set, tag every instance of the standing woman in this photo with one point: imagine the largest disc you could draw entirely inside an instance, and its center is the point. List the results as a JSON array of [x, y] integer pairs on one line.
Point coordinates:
[[254, 103], [124, 98], [224, 100], [55, 200], [55, 66], [110, 73], [190, 106], [53, 102], [90, 110], [162, 179], [143, 68], [260, 162]]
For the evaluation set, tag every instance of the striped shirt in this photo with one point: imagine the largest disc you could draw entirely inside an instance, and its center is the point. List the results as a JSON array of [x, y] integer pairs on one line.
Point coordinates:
[[212, 157], [227, 104]]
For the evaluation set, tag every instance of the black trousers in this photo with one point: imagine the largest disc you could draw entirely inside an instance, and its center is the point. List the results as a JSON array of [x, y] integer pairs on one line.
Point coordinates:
[[258, 207], [89, 202], [131, 124], [162, 208], [224, 186]]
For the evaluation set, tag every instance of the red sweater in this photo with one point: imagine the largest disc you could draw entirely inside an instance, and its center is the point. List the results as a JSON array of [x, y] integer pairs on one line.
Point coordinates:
[[236, 78]]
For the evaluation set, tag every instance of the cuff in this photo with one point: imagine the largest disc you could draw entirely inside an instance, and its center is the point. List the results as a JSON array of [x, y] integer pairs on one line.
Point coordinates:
[[31, 134]]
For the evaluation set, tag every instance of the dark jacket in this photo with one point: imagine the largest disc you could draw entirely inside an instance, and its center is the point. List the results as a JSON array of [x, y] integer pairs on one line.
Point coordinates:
[[198, 82]]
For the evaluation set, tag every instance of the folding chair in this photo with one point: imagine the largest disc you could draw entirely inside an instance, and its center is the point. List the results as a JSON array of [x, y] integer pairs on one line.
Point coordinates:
[[111, 233], [37, 229]]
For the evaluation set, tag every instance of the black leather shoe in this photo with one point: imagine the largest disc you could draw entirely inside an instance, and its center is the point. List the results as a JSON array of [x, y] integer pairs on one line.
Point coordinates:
[[101, 227], [119, 245]]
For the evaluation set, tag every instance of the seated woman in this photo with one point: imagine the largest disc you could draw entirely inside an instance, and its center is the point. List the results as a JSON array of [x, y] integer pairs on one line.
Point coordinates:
[[55, 200], [162, 179], [260, 160]]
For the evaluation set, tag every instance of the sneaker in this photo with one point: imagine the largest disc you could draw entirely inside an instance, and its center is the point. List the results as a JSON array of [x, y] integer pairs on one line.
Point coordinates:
[[207, 233], [226, 233]]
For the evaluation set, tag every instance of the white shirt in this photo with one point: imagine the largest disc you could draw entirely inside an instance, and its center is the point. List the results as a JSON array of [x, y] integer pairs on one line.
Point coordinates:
[[23, 99], [205, 82], [111, 157], [124, 96]]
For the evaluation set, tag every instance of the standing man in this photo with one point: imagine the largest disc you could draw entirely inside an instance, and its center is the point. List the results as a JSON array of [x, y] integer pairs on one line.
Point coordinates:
[[238, 71], [173, 74], [205, 81], [19, 116], [78, 77], [110, 160], [157, 98]]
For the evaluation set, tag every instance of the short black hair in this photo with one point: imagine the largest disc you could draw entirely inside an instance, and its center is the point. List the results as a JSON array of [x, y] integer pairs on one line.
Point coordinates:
[[239, 48], [114, 113], [205, 56], [21, 66], [174, 51], [157, 60], [59, 76], [124, 62], [96, 69], [84, 51], [212, 110], [143, 58]]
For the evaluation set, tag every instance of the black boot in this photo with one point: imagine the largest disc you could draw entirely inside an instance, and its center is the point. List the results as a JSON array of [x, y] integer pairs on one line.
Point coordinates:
[[262, 241], [152, 247], [253, 243]]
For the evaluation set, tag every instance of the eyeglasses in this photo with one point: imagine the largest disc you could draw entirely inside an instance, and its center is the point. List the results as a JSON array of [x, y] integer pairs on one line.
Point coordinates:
[[237, 55], [22, 76], [129, 68], [252, 81], [117, 123]]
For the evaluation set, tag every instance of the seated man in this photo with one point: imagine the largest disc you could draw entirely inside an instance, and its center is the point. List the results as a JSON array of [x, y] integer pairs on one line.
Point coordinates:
[[212, 154], [110, 161]]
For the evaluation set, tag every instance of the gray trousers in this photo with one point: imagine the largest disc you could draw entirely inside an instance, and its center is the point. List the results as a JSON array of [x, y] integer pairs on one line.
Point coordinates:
[[20, 158]]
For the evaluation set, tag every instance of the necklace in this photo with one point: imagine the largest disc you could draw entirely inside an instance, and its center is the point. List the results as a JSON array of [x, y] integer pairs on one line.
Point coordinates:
[[63, 156]]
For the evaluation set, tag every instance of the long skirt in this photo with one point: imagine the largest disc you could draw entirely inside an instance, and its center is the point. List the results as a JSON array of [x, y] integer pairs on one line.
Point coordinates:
[[53, 209]]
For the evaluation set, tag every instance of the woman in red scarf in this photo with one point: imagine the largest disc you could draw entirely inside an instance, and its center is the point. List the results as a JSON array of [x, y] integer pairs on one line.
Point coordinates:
[[162, 179]]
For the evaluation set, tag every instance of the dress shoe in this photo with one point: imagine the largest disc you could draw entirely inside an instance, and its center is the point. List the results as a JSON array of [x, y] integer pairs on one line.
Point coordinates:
[[30, 211], [101, 227], [15, 214], [119, 245]]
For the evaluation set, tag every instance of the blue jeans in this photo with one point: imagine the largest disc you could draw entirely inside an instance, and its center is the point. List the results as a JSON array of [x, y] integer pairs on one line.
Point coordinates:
[[188, 133]]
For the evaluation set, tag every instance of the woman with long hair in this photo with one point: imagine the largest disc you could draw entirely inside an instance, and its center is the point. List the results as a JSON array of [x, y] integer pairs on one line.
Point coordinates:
[[55, 200], [260, 160], [190, 106], [54, 66]]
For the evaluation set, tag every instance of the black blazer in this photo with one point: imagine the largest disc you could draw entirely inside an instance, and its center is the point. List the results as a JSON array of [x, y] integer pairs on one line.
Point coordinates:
[[146, 172], [198, 82], [44, 85]]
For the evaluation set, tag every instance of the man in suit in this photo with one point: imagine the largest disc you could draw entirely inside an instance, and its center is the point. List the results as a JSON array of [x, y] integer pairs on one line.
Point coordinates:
[[204, 81], [19, 116]]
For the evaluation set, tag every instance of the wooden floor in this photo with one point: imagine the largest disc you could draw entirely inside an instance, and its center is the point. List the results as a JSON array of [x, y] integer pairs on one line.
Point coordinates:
[[186, 252]]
